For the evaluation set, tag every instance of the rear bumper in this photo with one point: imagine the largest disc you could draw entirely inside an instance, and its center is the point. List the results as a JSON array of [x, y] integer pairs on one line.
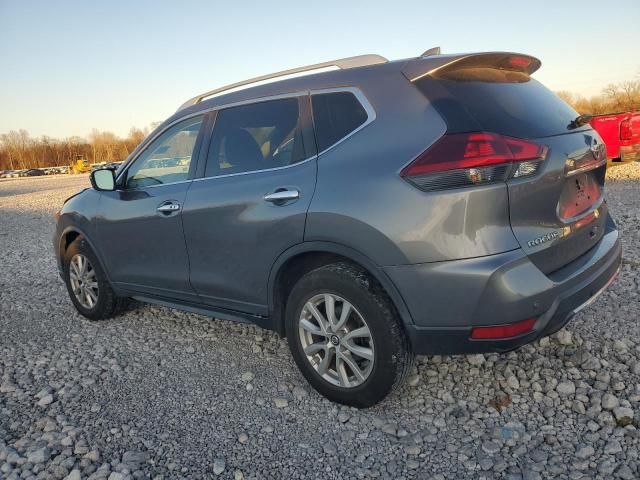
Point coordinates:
[[447, 299], [630, 152]]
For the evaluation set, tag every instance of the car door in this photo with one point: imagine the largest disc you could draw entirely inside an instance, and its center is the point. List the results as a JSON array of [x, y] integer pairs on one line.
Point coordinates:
[[251, 203], [140, 226]]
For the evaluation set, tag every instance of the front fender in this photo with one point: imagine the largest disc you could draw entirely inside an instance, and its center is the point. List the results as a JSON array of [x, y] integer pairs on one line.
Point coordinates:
[[78, 216]]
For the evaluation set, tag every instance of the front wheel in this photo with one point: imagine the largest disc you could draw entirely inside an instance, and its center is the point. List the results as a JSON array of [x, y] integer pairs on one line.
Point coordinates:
[[345, 335], [87, 284]]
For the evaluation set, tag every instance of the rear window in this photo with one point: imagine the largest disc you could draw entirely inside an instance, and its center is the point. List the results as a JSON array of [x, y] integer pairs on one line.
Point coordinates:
[[518, 107], [336, 115]]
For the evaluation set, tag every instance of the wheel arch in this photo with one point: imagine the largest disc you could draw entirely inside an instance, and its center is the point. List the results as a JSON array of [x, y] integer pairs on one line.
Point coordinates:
[[69, 235], [304, 257], [67, 238]]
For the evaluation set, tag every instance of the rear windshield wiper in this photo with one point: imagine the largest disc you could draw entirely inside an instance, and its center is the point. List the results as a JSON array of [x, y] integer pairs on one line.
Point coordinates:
[[579, 121]]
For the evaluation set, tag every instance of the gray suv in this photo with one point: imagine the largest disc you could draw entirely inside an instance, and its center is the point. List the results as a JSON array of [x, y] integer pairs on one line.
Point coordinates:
[[374, 210]]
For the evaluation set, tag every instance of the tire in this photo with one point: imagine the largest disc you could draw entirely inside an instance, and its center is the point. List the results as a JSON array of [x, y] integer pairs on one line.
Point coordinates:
[[106, 304], [347, 287]]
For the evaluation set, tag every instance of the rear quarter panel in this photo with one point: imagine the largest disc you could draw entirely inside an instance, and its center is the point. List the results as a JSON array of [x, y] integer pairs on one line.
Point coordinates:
[[362, 202]]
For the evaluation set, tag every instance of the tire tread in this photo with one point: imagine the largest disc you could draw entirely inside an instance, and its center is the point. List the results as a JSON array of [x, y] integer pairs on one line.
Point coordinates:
[[399, 359]]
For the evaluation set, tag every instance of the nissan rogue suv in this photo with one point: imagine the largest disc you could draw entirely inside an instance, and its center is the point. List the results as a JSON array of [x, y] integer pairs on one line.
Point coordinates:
[[370, 211]]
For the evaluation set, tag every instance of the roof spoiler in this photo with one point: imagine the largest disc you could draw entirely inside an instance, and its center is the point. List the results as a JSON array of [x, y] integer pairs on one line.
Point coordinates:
[[441, 65]]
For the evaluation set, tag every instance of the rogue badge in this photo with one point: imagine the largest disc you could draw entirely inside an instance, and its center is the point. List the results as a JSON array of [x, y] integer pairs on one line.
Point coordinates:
[[547, 237]]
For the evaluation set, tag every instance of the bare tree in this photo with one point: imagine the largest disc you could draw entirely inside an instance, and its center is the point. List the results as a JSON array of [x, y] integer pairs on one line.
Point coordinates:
[[567, 96], [16, 143], [615, 97], [19, 151]]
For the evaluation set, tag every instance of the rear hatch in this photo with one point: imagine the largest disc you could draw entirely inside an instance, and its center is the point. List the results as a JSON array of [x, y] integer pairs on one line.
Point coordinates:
[[557, 212]]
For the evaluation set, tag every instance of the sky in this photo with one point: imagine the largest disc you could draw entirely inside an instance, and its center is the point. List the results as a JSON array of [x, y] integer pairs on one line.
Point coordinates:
[[67, 66]]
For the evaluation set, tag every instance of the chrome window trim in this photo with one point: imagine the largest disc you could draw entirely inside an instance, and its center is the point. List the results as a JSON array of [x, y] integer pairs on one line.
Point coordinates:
[[313, 157], [249, 172], [360, 96], [154, 186], [362, 99]]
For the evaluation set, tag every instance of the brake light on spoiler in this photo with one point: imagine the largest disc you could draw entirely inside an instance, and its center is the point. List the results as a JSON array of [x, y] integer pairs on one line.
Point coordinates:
[[467, 159]]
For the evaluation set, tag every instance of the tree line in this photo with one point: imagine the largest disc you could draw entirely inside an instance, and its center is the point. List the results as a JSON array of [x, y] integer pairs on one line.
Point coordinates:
[[615, 98], [19, 151]]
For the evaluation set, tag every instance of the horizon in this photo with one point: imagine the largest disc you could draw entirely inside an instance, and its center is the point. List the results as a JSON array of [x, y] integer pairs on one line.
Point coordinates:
[[70, 73]]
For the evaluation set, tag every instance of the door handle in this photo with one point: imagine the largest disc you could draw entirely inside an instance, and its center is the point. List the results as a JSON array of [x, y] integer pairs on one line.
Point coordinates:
[[281, 196], [168, 207]]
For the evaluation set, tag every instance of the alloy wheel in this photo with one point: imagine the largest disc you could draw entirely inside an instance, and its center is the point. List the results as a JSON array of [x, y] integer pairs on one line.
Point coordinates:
[[84, 283], [336, 340]]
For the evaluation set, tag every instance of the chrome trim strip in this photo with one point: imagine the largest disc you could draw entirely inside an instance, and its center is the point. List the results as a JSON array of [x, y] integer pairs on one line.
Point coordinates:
[[313, 157], [598, 293], [594, 207], [267, 98], [153, 186], [586, 168]]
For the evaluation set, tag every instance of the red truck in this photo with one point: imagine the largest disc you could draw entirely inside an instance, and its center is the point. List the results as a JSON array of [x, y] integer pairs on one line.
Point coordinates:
[[620, 133]]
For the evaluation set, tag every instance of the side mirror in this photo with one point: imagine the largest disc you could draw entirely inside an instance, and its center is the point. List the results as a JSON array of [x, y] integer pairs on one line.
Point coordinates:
[[103, 179]]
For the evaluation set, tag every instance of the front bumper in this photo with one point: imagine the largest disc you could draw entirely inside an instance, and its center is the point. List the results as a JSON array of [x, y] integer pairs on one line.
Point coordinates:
[[447, 299]]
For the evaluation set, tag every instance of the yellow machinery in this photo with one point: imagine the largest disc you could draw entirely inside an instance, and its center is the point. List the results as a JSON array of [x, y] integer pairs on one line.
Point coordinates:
[[80, 165]]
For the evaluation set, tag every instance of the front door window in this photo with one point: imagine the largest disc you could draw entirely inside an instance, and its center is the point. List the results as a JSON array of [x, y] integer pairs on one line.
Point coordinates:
[[168, 158]]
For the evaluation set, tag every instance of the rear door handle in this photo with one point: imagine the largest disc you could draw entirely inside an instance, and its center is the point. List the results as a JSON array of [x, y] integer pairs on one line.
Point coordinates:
[[281, 196], [168, 207]]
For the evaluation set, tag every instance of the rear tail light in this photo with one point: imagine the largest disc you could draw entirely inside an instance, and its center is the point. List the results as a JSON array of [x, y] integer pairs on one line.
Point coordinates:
[[625, 129], [501, 332], [466, 159]]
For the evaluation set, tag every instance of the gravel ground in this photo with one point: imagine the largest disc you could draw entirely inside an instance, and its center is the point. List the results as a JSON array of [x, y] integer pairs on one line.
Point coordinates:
[[158, 393]]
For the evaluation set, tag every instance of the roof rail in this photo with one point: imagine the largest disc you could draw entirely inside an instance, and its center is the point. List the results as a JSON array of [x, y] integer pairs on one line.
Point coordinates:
[[342, 63]]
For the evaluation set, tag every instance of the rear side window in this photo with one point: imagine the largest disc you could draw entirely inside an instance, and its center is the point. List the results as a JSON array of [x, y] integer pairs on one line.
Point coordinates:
[[335, 116], [516, 105], [256, 137]]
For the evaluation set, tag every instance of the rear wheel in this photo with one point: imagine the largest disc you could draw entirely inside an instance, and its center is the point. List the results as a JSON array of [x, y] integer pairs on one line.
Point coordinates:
[[87, 284], [345, 335]]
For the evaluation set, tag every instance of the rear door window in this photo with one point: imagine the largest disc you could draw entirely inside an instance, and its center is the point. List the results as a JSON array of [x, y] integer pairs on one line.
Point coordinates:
[[520, 107], [336, 115], [256, 137]]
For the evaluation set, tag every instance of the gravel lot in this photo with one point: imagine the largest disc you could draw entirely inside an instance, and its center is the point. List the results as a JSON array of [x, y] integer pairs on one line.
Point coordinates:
[[158, 393]]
